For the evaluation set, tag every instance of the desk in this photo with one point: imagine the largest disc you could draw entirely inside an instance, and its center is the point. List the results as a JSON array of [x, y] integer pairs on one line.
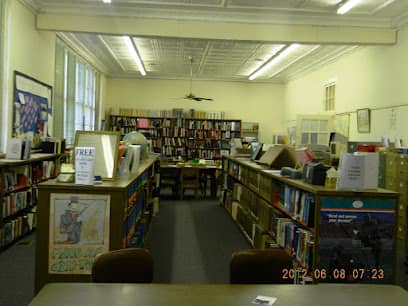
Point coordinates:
[[128, 211], [207, 170], [91, 294]]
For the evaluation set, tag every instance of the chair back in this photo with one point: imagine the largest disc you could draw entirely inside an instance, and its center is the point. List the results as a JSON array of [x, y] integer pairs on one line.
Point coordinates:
[[189, 179], [260, 266], [132, 265]]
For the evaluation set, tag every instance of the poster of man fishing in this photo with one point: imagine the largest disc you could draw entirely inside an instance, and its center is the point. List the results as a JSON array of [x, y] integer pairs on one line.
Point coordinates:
[[79, 231]]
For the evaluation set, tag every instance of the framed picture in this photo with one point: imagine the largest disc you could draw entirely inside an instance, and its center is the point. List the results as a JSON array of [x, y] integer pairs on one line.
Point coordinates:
[[32, 109], [363, 120], [79, 231], [106, 146]]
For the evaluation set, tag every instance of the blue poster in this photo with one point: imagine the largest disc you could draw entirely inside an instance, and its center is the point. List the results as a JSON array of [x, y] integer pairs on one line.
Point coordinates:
[[356, 241], [30, 115]]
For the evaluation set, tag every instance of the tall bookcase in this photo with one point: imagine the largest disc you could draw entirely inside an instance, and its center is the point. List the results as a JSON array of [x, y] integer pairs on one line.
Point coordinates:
[[121, 223], [186, 137], [19, 194], [332, 235]]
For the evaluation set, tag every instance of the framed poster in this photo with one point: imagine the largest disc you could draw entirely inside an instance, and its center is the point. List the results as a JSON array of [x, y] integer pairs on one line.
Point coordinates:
[[79, 230], [357, 239], [106, 145], [363, 120], [32, 108]]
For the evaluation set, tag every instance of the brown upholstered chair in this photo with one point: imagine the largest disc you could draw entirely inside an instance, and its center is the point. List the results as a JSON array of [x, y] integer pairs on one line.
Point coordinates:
[[189, 179], [132, 265], [260, 266]]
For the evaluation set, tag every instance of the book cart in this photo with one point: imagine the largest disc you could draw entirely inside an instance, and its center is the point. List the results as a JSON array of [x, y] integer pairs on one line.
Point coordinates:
[[186, 137], [77, 222], [332, 235], [19, 194]]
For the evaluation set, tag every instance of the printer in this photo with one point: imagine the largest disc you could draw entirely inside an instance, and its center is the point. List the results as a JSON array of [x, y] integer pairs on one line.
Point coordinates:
[[315, 173]]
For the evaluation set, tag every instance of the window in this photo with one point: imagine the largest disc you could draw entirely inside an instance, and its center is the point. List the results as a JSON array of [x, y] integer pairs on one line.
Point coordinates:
[[76, 91], [329, 96], [313, 129]]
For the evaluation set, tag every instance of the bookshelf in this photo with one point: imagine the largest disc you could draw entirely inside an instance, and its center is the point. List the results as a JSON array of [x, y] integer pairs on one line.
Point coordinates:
[[249, 132], [186, 137], [123, 222], [329, 233], [19, 194]]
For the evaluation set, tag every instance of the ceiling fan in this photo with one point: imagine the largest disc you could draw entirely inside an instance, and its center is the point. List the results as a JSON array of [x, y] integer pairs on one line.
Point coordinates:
[[192, 96]]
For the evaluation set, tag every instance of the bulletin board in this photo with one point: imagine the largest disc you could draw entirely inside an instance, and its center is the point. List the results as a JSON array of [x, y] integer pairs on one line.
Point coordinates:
[[32, 108]]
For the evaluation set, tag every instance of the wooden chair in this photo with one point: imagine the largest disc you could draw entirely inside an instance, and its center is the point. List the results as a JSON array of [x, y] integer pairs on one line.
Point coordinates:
[[170, 177], [260, 266], [132, 265], [189, 179]]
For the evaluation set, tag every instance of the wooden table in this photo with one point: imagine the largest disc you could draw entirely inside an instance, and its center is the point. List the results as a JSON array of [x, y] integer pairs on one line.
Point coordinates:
[[207, 170], [89, 294]]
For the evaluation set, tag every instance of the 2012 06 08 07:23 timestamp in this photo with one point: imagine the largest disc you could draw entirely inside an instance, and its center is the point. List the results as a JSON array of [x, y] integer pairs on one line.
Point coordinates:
[[354, 274]]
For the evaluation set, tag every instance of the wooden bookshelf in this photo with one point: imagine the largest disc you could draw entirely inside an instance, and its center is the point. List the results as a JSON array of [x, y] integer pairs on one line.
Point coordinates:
[[186, 137], [18, 193], [125, 222], [325, 230]]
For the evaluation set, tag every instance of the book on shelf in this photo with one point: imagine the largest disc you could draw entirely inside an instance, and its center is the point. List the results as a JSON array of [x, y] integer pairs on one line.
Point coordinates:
[[18, 148], [277, 157]]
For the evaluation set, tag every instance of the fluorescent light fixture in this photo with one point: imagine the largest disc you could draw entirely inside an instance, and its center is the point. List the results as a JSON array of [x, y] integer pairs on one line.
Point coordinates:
[[346, 6], [294, 61], [106, 1], [132, 50], [381, 6], [275, 60]]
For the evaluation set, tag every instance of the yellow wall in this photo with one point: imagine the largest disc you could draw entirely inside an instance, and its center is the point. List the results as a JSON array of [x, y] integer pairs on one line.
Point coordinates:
[[31, 52], [370, 77], [251, 102], [374, 77]]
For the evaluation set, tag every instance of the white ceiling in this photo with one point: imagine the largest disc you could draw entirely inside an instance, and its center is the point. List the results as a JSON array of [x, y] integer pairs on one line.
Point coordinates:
[[167, 57]]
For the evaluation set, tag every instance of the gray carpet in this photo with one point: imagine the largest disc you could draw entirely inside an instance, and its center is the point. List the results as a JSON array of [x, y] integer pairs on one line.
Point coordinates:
[[17, 273], [192, 242]]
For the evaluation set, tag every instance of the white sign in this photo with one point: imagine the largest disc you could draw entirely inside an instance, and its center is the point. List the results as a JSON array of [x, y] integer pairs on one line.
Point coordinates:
[[85, 165]]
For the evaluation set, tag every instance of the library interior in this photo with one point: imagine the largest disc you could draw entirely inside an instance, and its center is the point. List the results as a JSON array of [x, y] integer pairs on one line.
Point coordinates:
[[217, 152]]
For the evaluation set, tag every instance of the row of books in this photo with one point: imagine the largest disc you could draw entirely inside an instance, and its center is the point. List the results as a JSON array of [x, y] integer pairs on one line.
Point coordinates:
[[176, 112], [190, 123], [298, 203], [180, 132], [14, 229], [208, 144], [136, 187], [185, 133], [298, 241], [15, 202], [206, 154], [170, 150], [23, 176], [132, 218], [206, 115], [137, 241], [245, 197], [244, 220], [43, 170], [142, 112], [213, 125], [234, 169], [16, 177]]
